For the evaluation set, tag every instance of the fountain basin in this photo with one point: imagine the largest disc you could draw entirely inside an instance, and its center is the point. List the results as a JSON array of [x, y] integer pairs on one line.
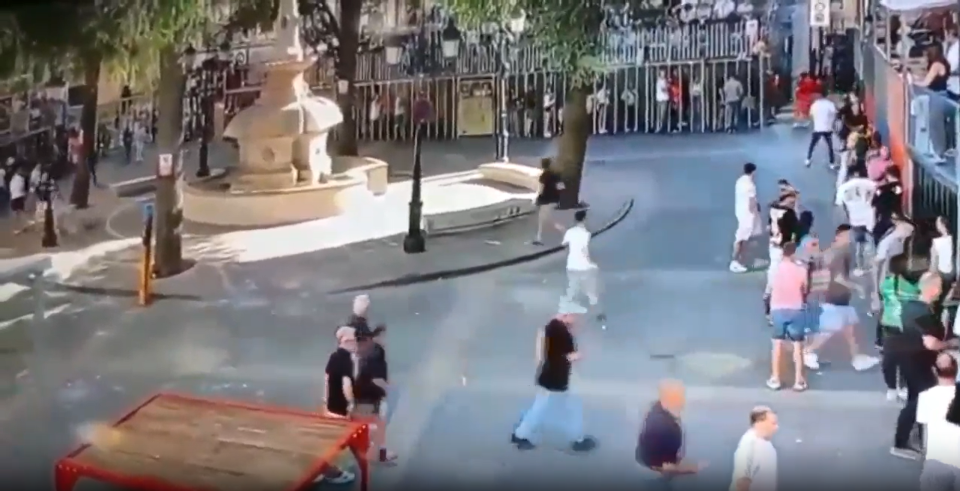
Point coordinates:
[[356, 180]]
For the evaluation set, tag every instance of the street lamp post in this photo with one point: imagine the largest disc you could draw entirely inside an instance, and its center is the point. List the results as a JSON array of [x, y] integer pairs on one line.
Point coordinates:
[[507, 33], [205, 81], [422, 112]]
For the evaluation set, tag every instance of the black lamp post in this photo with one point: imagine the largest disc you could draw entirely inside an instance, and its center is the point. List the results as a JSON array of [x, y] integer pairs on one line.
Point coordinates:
[[422, 112], [205, 83], [507, 34], [47, 188]]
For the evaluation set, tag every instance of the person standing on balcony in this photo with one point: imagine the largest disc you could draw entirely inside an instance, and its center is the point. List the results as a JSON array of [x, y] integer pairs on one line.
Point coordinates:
[[938, 70], [951, 46]]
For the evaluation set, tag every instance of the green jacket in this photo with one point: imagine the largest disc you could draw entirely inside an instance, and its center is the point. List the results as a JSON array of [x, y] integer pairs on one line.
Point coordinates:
[[894, 291]]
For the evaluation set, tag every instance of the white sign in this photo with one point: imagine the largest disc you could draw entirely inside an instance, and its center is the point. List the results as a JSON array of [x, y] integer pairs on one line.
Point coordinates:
[[165, 165], [819, 13]]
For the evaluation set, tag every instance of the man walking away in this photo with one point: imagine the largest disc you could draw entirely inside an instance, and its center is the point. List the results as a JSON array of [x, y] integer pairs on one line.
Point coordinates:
[[139, 140], [732, 95], [556, 353], [748, 215], [660, 444], [787, 298], [856, 196], [755, 460], [837, 315], [581, 270], [548, 195], [823, 113], [916, 349], [941, 463]]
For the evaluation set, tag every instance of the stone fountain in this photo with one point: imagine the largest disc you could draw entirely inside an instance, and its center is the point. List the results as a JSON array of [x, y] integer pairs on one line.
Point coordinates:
[[284, 173]]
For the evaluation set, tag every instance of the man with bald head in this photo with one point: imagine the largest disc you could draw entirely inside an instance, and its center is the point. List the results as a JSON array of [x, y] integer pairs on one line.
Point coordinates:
[[941, 462], [660, 444], [915, 349]]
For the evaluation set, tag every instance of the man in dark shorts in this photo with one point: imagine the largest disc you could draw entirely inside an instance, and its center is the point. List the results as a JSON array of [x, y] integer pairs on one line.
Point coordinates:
[[548, 195]]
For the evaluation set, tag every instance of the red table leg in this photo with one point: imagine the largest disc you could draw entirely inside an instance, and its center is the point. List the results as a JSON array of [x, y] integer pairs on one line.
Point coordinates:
[[360, 447], [65, 477]]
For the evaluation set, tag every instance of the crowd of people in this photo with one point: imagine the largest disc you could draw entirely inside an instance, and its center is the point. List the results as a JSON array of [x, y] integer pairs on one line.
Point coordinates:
[[903, 266]]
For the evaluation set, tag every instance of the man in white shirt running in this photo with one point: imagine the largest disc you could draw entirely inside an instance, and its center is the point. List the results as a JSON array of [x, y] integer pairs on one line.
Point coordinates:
[[823, 113], [748, 215], [755, 460], [856, 197], [581, 270], [941, 465]]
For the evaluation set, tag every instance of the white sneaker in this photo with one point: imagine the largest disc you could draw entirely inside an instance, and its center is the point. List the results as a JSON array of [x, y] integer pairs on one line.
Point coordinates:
[[858, 272], [892, 395], [811, 361], [806, 162], [902, 394], [736, 267], [864, 362]]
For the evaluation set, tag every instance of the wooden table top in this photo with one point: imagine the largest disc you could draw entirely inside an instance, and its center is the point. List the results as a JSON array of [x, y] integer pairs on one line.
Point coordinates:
[[215, 446]]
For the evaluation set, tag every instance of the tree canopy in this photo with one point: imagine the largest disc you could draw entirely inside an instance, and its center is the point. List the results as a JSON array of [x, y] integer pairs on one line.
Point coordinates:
[[569, 29]]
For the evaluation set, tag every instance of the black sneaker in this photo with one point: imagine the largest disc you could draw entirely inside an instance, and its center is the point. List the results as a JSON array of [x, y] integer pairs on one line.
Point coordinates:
[[537, 242], [601, 318], [522, 443], [585, 444]]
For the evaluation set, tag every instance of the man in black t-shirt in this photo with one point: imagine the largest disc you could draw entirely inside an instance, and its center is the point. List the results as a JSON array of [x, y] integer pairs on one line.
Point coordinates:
[[915, 350], [556, 352], [660, 443], [338, 398], [547, 197], [887, 201], [372, 377]]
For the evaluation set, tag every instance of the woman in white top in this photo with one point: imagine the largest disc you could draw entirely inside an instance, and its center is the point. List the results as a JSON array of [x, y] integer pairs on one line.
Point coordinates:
[[942, 251]]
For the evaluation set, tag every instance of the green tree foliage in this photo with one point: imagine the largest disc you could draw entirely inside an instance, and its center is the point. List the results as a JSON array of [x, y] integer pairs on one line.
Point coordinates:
[[570, 32], [139, 42]]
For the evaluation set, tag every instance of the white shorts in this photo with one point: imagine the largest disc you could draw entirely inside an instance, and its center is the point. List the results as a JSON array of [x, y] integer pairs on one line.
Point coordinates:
[[746, 229]]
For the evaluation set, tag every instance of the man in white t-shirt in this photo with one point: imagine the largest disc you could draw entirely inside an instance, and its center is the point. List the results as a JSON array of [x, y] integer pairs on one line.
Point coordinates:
[[748, 215], [663, 100], [823, 114], [941, 465], [581, 270], [18, 196], [856, 197], [755, 460]]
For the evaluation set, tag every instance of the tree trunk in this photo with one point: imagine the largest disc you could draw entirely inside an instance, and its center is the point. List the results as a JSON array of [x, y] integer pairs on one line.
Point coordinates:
[[169, 215], [349, 41], [573, 145], [80, 192]]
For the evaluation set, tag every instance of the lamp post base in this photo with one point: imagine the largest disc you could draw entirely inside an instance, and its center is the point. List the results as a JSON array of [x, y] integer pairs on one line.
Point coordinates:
[[49, 238], [201, 172], [415, 243]]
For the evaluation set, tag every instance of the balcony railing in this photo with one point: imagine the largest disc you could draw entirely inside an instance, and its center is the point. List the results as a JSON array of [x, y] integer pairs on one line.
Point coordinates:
[[932, 124]]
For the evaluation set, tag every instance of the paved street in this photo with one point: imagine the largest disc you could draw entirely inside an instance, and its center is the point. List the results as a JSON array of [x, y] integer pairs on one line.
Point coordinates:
[[674, 311]]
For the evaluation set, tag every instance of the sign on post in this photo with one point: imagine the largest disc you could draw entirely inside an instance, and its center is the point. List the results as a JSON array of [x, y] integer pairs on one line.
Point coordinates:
[[819, 13], [165, 165]]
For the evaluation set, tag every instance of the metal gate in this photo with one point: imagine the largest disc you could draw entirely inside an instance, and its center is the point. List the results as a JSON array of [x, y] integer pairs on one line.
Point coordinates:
[[656, 97], [933, 195]]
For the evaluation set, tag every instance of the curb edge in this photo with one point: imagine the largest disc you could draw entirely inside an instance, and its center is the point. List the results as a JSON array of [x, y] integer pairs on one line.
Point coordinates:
[[448, 274]]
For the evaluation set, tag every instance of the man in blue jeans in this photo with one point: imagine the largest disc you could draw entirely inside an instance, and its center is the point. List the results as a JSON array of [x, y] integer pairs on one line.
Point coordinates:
[[556, 353]]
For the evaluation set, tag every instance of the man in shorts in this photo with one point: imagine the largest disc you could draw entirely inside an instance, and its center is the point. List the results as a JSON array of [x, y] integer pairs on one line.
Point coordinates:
[[748, 215], [837, 315]]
